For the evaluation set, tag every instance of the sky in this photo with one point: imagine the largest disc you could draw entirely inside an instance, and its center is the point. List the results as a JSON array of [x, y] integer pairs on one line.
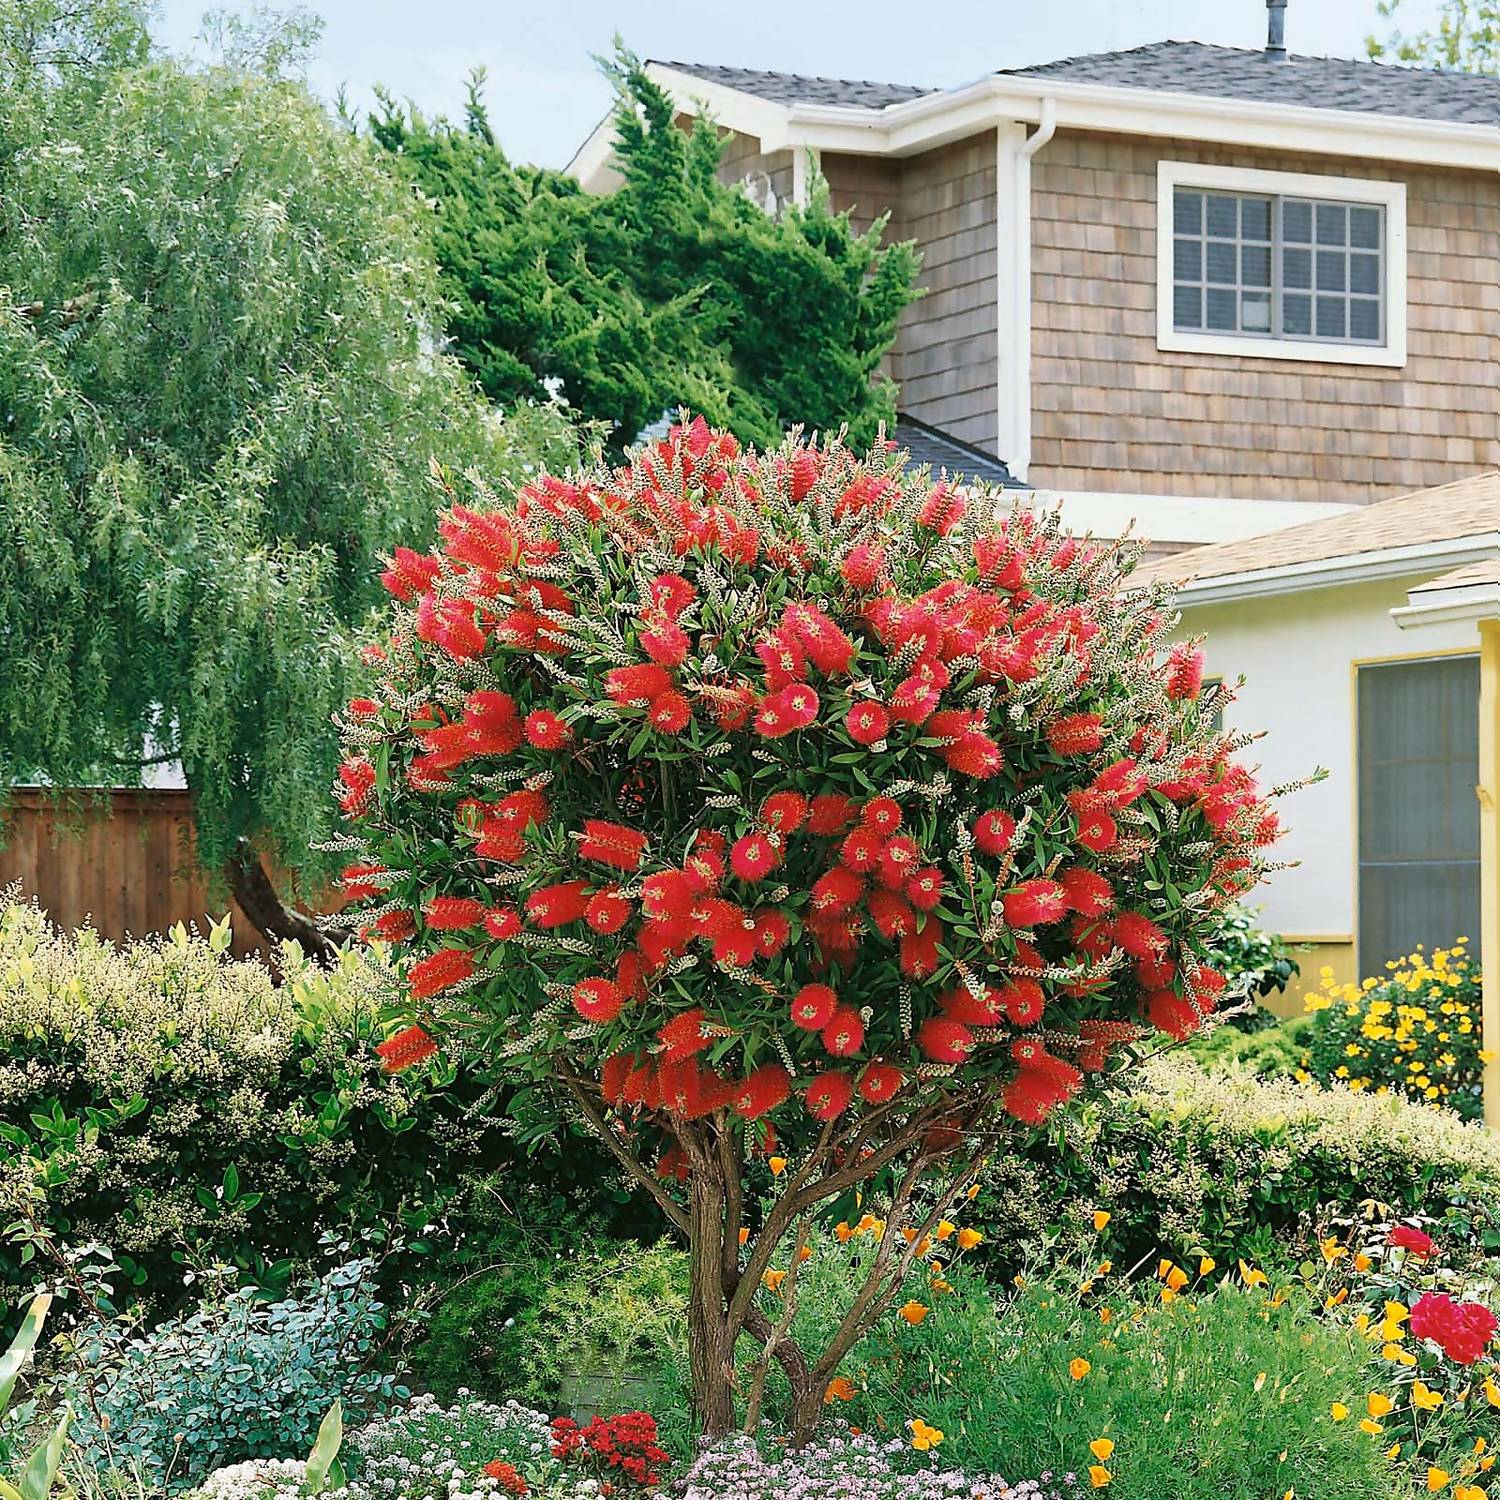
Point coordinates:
[[545, 94]]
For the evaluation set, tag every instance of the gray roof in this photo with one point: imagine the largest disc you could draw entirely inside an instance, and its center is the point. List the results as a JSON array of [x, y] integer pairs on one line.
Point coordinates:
[[930, 445], [794, 88], [1181, 68]]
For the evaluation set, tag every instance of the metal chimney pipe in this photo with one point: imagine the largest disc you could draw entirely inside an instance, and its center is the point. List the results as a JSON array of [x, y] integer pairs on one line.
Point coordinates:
[[1275, 30]]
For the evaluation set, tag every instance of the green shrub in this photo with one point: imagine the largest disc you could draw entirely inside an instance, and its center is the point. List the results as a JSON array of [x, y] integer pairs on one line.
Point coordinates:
[[1255, 962], [1415, 1030], [158, 1097], [1273, 1050]]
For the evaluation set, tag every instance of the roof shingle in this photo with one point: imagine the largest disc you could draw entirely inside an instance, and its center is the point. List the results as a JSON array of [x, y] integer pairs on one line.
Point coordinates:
[[942, 451], [796, 88]]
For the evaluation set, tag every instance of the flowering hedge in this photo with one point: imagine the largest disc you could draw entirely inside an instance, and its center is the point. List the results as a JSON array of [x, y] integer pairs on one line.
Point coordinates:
[[790, 802]]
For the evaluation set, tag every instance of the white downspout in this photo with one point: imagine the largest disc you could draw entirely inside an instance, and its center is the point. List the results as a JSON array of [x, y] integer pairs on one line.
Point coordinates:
[[1013, 289]]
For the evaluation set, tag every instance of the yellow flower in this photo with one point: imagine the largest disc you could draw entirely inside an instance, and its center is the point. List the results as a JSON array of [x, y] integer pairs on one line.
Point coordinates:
[[1206, 1264], [1424, 1398], [777, 1165], [1177, 1278], [1078, 1367], [1101, 1218], [1436, 1479], [1103, 1449], [1468, 1492], [1252, 1276], [773, 1280], [973, 1192], [744, 1236], [1491, 1391], [1379, 1405], [1339, 1411], [840, 1388], [945, 1230], [1362, 1262], [1099, 1476], [913, 1312], [968, 1238], [923, 1437], [844, 1232], [1332, 1250], [1374, 1428]]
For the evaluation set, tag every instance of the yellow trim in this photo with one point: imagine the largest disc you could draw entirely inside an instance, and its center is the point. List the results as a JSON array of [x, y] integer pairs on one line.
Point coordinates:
[[1328, 938], [1354, 665], [1488, 792]]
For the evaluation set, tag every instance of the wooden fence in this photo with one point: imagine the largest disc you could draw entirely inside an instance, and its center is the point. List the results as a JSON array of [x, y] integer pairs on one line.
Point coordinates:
[[121, 860]]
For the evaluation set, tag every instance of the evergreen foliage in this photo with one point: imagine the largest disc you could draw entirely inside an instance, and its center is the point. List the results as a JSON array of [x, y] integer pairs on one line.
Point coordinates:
[[676, 290]]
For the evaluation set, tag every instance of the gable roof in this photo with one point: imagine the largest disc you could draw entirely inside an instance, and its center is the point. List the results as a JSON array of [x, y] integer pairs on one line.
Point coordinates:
[[943, 451], [1451, 513], [1333, 83]]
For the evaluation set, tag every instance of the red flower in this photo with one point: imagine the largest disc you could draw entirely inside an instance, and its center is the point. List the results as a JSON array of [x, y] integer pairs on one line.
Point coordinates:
[[919, 950], [836, 891], [1034, 903], [545, 731], [405, 1049], [861, 568], [882, 814], [666, 643], [787, 710], [671, 713], [439, 971], [1138, 935], [844, 1034], [597, 1000], [784, 811], [1096, 830], [1404, 1237], [924, 889], [880, 1082], [607, 911], [450, 624], [453, 913], [942, 510], [393, 927], [358, 777], [993, 831], [813, 1007], [753, 857], [638, 685], [827, 647], [1076, 734], [762, 1091], [1184, 671], [1169, 1012], [830, 814], [772, 931], [410, 573], [1462, 1330], [867, 723], [945, 1040], [509, 1478], [684, 1034], [1088, 892], [612, 844], [892, 917], [828, 1096], [503, 923], [899, 860], [557, 905], [671, 594], [1022, 1001]]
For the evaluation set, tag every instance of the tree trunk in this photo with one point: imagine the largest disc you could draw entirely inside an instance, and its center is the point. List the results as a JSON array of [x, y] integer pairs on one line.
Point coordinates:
[[257, 898], [807, 1412], [709, 1335]]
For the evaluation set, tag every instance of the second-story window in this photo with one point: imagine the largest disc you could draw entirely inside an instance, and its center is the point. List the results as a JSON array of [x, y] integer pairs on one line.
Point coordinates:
[[1281, 264]]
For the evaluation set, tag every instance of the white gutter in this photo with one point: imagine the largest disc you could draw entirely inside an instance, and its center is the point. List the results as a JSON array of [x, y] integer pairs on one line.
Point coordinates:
[[1420, 558], [1479, 601]]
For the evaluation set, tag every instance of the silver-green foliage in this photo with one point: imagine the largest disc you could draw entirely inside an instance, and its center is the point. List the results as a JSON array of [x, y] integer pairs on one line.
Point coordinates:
[[221, 388]]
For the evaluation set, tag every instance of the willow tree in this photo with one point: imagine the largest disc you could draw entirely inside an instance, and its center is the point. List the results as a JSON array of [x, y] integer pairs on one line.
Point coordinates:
[[219, 399]]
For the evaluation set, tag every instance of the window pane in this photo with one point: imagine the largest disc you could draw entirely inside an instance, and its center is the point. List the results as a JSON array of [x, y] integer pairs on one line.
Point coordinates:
[[1364, 274], [1364, 228], [1331, 318], [1187, 213], [1296, 268], [1221, 311], [1255, 312], [1224, 217], [1255, 265], [1296, 314], [1296, 221], [1187, 307], [1333, 224], [1221, 263], [1331, 271], [1187, 260], [1364, 319], [1255, 218]]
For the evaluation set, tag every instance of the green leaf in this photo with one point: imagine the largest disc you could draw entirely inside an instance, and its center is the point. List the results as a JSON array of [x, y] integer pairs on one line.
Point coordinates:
[[41, 1470], [14, 1359], [325, 1450]]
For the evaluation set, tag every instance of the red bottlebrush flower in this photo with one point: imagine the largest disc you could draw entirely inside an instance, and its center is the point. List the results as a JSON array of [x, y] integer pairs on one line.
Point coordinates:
[[844, 1033], [974, 754], [830, 814], [450, 624], [828, 1096], [942, 510], [671, 713], [672, 1163], [503, 923], [973, 1010], [607, 910], [545, 731], [767, 1087], [1138, 935], [732, 706], [753, 857], [883, 814], [357, 882], [867, 723], [1404, 1237], [813, 1007], [880, 1082], [492, 722], [637, 686], [772, 932], [1155, 972], [1030, 1097], [363, 708], [862, 567], [684, 1034], [861, 849], [1170, 1012], [358, 779], [892, 917], [557, 905], [597, 1000], [998, 562], [1076, 734], [804, 473], [666, 643], [787, 710], [666, 893], [993, 831], [393, 927], [899, 861], [836, 891], [519, 810], [410, 573], [1119, 784], [945, 1040], [782, 657], [613, 1075], [1022, 1001], [919, 950], [1184, 671], [453, 913], [405, 1049], [914, 700], [612, 844], [1088, 892], [827, 647], [1035, 903], [439, 971], [1097, 831], [924, 889], [786, 812], [670, 594]]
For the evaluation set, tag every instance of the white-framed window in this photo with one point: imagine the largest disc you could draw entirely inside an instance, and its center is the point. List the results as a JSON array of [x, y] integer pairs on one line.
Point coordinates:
[[1280, 265]]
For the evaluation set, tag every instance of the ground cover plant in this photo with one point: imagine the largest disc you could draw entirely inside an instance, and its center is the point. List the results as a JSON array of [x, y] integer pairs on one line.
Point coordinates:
[[916, 823]]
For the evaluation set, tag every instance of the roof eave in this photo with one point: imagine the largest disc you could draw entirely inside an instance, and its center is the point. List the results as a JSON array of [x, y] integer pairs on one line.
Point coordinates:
[[1479, 601]]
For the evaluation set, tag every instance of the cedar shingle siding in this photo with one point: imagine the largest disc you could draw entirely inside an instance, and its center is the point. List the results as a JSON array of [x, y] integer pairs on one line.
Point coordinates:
[[1112, 412]]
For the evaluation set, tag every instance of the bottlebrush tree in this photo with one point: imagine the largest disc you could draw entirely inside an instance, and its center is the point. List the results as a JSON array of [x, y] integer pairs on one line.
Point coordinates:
[[790, 805]]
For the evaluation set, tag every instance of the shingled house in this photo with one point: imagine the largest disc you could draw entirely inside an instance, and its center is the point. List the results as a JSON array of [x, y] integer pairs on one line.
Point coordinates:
[[1168, 281]]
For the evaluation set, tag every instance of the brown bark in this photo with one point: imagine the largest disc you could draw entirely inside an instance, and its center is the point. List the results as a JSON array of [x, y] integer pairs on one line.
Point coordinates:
[[258, 899]]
